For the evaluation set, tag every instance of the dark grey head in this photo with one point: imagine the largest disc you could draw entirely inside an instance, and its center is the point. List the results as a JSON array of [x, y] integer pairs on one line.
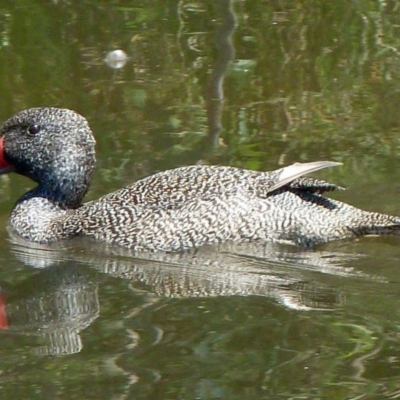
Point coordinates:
[[54, 147]]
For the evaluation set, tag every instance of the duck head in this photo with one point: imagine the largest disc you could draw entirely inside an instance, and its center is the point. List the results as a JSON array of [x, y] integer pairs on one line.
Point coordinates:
[[53, 147]]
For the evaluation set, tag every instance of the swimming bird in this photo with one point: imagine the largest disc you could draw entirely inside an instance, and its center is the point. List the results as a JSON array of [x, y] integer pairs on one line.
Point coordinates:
[[174, 210]]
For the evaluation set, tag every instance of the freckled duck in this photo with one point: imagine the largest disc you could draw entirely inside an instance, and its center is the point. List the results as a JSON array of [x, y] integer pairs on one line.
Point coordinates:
[[170, 211]]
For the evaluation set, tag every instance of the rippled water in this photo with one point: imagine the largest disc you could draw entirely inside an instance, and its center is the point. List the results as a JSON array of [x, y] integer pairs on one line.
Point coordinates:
[[259, 321]]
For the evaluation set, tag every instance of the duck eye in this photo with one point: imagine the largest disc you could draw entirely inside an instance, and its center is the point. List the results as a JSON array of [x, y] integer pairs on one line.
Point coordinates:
[[34, 129]]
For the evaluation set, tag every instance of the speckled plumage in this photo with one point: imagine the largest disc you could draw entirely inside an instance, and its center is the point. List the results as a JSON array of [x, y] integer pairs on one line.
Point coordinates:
[[172, 210]]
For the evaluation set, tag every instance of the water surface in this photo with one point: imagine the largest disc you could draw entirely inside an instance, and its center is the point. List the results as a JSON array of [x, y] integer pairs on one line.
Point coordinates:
[[252, 84]]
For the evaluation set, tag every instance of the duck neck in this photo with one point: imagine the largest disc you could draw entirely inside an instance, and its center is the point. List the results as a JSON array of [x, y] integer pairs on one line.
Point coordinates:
[[66, 194], [41, 214]]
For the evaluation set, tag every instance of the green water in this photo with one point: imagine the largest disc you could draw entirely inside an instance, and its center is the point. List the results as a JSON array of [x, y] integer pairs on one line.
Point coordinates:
[[309, 80]]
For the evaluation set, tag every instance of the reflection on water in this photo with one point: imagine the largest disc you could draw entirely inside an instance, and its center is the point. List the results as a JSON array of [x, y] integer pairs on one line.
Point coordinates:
[[116, 59], [61, 300], [291, 276], [54, 304], [225, 55]]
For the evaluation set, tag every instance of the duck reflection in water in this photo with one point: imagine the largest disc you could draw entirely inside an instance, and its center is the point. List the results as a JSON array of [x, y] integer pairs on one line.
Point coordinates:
[[62, 300], [290, 276]]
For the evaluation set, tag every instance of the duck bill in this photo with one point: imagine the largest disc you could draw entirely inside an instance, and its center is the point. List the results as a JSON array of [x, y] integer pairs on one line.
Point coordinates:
[[5, 166]]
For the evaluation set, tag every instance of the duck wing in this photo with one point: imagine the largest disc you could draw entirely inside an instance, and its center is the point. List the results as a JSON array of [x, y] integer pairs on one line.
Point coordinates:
[[174, 188], [288, 174]]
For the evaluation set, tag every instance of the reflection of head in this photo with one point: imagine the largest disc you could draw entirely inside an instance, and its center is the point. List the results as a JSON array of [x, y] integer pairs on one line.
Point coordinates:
[[55, 304]]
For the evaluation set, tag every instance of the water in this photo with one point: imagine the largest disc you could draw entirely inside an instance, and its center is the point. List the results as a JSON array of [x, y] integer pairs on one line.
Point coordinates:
[[308, 81]]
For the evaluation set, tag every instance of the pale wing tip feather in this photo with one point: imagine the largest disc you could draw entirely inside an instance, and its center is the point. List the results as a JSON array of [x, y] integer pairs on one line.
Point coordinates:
[[297, 170]]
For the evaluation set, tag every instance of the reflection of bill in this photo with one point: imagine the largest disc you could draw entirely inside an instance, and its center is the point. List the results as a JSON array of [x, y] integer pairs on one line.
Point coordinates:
[[3, 313], [55, 304]]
